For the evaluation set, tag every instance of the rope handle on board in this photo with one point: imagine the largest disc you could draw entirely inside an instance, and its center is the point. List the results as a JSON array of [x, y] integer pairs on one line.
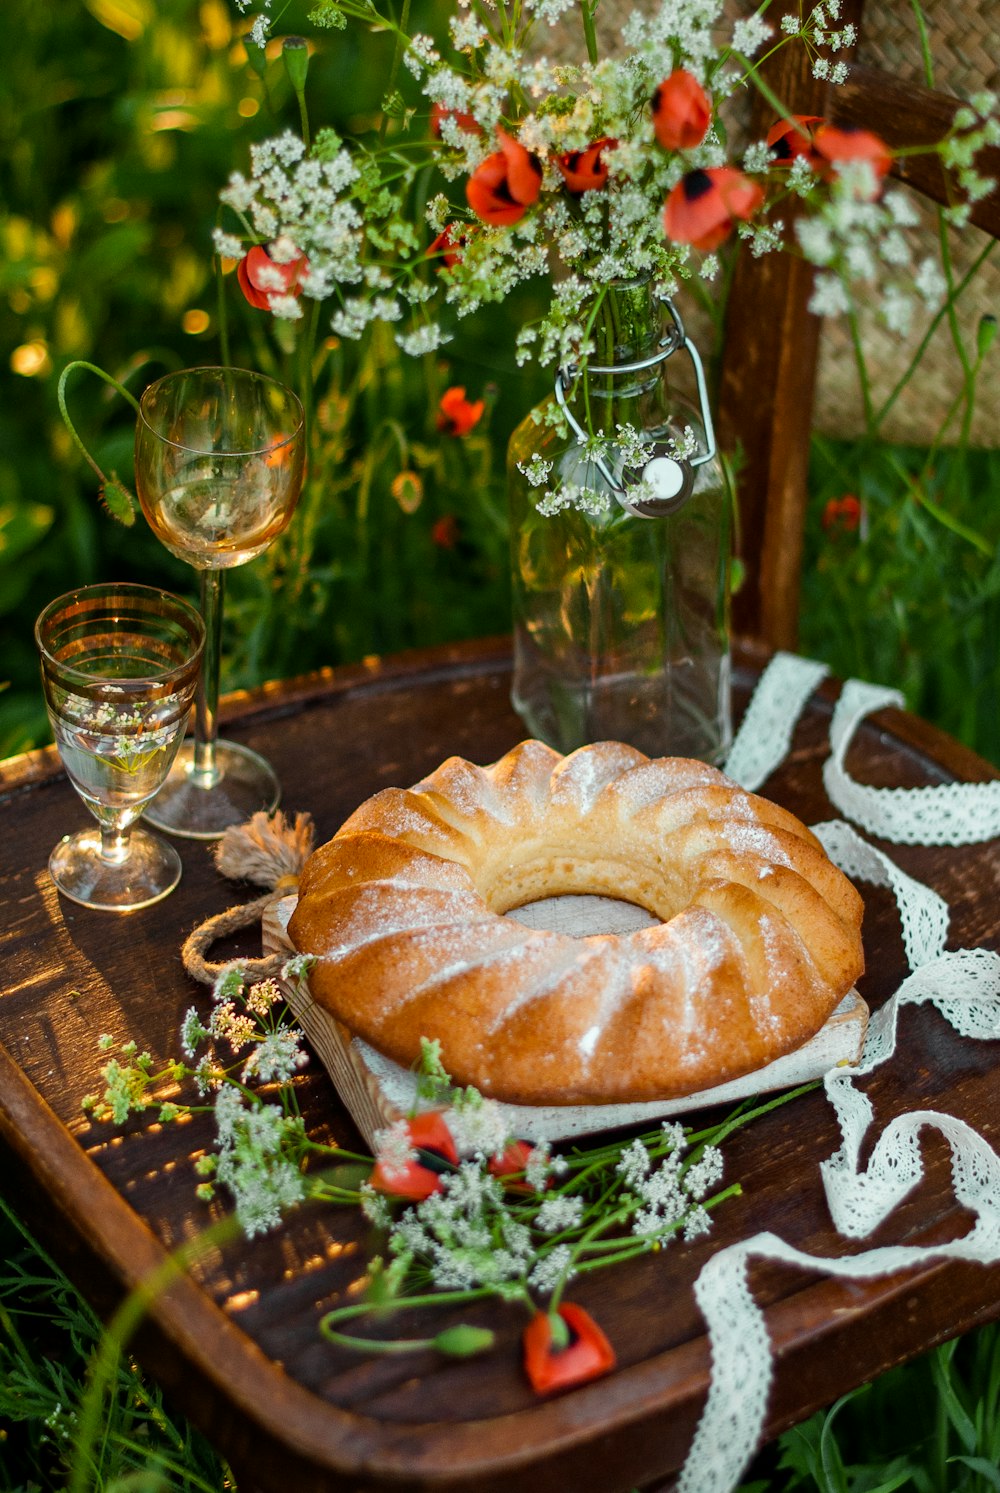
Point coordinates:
[[269, 850]]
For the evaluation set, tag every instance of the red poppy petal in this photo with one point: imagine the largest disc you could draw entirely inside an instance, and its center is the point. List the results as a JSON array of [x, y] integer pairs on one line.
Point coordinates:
[[413, 1182], [846, 143], [429, 1132], [586, 170], [587, 1356], [703, 206], [681, 111], [488, 194], [256, 298], [790, 138], [524, 175]]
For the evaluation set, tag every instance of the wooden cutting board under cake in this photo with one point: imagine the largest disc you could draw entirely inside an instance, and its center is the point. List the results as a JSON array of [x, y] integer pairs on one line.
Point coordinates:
[[378, 1091]]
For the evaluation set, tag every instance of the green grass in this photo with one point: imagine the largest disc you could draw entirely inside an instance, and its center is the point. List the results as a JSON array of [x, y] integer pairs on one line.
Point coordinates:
[[47, 1337], [932, 1426]]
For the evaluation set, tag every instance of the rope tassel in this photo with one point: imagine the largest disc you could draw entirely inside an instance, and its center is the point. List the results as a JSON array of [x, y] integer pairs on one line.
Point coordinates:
[[270, 851]]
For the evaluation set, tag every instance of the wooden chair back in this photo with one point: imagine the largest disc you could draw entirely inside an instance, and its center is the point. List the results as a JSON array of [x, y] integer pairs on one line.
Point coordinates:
[[771, 340]]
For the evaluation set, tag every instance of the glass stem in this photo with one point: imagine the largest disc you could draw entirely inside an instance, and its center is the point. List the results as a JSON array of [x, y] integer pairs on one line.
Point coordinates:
[[114, 844], [206, 708]]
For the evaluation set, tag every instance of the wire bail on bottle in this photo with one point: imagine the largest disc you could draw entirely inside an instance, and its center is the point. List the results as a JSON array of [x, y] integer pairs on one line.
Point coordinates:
[[666, 479]]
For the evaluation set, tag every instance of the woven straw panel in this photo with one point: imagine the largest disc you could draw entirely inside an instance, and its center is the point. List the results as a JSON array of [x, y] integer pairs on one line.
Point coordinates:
[[966, 58]]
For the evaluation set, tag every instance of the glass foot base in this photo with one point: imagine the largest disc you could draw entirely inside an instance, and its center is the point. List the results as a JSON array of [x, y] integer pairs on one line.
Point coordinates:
[[196, 810], [151, 869]]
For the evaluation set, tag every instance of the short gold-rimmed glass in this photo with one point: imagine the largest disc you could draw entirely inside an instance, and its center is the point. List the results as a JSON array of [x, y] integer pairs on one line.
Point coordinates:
[[120, 666]]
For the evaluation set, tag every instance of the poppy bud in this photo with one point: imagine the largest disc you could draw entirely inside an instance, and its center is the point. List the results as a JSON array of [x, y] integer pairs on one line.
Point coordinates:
[[703, 206], [118, 501], [681, 111], [503, 187], [464, 1341], [295, 56]]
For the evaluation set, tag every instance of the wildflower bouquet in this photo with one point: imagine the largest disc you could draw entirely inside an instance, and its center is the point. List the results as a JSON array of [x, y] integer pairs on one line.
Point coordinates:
[[462, 1209], [494, 163]]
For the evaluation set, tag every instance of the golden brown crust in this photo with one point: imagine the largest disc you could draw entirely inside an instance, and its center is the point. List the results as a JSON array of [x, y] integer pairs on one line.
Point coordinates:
[[759, 938]]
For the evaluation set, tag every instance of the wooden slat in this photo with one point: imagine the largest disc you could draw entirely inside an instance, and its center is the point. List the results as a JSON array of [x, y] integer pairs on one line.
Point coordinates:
[[766, 389], [907, 115]]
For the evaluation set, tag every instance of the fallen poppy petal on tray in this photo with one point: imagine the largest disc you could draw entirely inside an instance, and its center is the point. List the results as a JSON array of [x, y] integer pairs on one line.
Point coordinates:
[[587, 1354]]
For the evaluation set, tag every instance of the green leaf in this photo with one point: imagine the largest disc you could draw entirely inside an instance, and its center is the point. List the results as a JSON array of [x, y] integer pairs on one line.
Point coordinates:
[[985, 1469]]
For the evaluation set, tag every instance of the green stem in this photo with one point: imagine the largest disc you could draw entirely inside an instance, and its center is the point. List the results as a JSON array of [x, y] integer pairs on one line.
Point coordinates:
[[362, 1308], [64, 411], [935, 322], [589, 30], [862, 367], [222, 313], [402, 39]]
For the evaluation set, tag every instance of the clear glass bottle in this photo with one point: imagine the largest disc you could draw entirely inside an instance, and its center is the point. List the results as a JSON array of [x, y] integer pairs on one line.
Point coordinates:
[[621, 621]]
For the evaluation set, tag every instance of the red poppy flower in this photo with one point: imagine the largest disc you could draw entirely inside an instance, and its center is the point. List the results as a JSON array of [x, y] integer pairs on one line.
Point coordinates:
[[465, 122], [587, 1355], [790, 138], [445, 532], [586, 170], [838, 143], [450, 244], [430, 1137], [503, 187], [456, 414], [704, 205], [258, 274], [681, 111], [511, 1163], [843, 513]]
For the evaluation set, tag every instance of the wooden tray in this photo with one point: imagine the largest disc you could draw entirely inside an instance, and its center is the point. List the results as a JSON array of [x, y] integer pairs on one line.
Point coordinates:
[[378, 1091], [236, 1343]]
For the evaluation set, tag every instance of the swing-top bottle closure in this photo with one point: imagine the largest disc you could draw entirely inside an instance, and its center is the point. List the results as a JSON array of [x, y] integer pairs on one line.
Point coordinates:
[[671, 477]]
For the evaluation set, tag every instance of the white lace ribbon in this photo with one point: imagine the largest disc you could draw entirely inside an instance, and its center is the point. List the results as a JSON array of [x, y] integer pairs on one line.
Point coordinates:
[[949, 814], [967, 984], [964, 985], [762, 741]]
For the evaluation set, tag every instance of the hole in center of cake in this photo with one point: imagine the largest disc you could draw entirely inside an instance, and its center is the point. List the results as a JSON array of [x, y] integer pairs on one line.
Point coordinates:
[[582, 915]]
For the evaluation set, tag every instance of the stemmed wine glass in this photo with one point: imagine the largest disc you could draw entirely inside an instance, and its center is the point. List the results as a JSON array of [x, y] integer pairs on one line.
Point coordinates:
[[219, 456], [120, 665]]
